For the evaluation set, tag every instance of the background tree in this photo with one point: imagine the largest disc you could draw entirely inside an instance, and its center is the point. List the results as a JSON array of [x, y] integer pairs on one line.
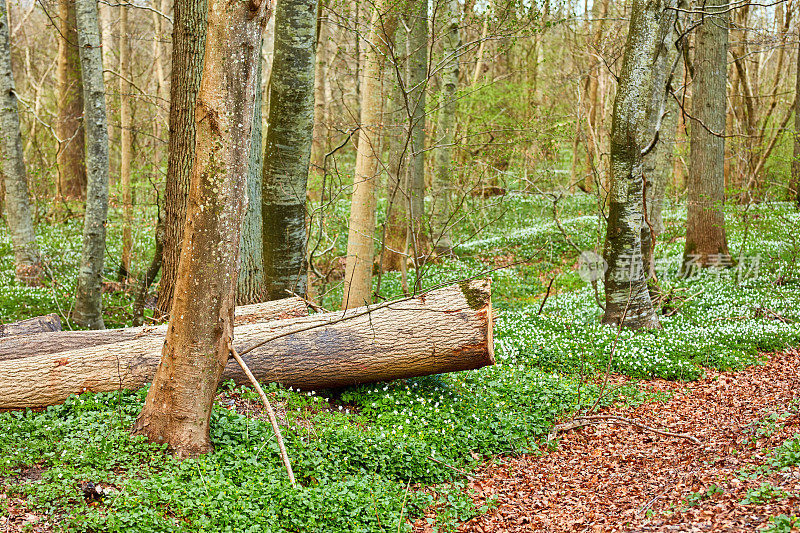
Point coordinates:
[[88, 301], [188, 45], [706, 241], [71, 158], [126, 142], [288, 148], [15, 179], [178, 405], [361, 230]]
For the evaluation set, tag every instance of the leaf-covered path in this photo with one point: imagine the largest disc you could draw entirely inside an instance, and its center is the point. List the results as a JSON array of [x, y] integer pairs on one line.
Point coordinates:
[[619, 478]]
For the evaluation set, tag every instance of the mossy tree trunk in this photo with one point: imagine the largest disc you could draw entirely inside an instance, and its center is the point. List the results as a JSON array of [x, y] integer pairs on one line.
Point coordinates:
[[88, 302], [706, 240], [178, 405], [71, 159], [188, 45], [662, 118], [627, 296], [12, 166], [288, 149], [794, 188]]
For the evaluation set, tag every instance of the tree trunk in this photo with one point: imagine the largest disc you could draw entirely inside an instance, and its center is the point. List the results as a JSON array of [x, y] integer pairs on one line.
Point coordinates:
[[88, 301], [443, 331], [39, 324], [599, 12], [662, 118], [417, 84], [188, 45], [361, 231], [20, 348], [394, 251], [706, 241], [71, 158], [126, 144], [794, 188], [250, 279], [319, 143], [27, 263], [289, 135], [627, 297], [445, 131], [178, 405]]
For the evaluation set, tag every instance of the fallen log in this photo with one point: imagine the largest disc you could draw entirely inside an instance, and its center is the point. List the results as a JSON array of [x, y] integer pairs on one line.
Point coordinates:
[[43, 343], [39, 324], [444, 330]]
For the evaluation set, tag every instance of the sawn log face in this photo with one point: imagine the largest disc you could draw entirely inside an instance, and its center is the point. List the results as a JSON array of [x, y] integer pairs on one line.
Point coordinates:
[[442, 331]]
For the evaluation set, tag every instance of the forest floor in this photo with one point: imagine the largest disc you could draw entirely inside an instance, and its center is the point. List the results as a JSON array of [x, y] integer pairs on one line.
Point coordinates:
[[606, 478]]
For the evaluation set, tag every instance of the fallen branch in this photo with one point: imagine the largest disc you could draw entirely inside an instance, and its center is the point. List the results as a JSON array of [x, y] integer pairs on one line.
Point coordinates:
[[270, 412], [582, 421]]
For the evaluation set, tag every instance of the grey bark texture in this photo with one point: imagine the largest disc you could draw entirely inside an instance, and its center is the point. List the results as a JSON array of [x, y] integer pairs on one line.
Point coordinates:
[[706, 240], [627, 296], [446, 330], [417, 85], [445, 132], [71, 158], [88, 301], [288, 148], [250, 279], [188, 45], [662, 118], [15, 179]]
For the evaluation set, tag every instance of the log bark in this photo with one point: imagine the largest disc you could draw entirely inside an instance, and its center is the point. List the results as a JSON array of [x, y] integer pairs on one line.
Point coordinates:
[[445, 330], [39, 324], [12, 348]]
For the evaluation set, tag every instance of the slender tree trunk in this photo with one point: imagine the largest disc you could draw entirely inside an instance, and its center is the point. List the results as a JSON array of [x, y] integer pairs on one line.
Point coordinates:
[[250, 280], [88, 302], [71, 160], [794, 188], [706, 241], [445, 131], [417, 65], [178, 405], [599, 12], [289, 134], [320, 135], [394, 252], [161, 93], [188, 44], [126, 144], [12, 166], [627, 296], [361, 231]]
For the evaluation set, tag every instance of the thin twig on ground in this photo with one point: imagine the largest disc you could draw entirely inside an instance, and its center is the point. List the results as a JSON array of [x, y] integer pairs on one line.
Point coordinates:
[[582, 421], [270, 412]]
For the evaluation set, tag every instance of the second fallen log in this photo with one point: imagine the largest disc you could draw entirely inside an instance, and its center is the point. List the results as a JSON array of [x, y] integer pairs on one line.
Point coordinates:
[[445, 330]]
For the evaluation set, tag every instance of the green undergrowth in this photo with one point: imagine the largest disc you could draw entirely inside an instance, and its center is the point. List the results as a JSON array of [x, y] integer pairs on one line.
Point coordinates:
[[375, 457]]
